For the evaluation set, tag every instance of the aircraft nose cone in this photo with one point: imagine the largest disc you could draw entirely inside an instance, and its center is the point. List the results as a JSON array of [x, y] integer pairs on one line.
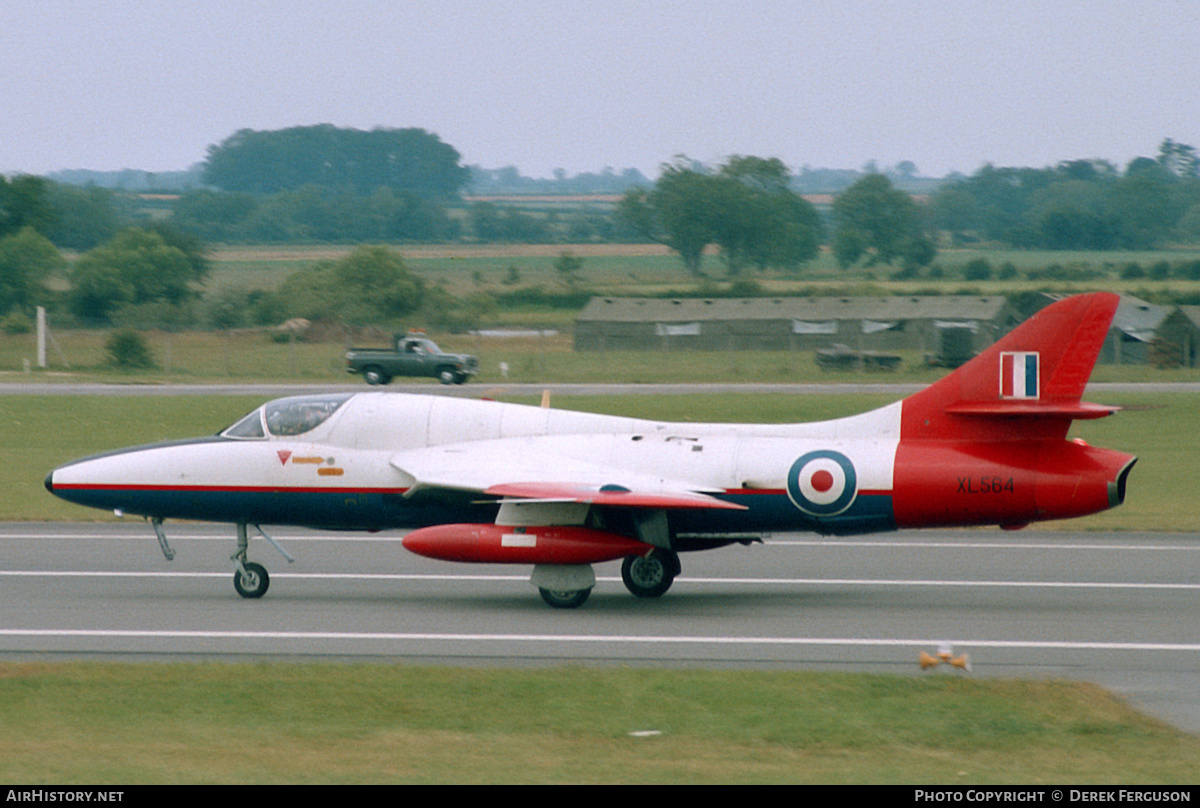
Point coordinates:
[[50, 482]]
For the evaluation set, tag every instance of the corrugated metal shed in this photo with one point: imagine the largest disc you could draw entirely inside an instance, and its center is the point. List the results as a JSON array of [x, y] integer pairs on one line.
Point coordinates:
[[1134, 327], [1178, 339], [787, 323]]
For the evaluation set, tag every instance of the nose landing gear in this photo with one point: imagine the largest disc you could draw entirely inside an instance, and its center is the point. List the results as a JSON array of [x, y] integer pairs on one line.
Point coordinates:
[[250, 578]]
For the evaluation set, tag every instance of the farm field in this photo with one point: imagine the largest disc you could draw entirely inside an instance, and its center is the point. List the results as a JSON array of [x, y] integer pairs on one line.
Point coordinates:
[[651, 268]]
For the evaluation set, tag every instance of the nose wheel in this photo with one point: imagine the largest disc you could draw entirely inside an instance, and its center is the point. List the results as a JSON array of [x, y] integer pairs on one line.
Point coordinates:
[[251, 580]]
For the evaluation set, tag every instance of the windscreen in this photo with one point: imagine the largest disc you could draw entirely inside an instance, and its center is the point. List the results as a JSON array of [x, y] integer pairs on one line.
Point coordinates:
[[286, 417]]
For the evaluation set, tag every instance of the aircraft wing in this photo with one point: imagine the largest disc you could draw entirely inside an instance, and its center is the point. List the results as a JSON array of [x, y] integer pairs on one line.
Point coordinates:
[[500, 471], [609, 494]]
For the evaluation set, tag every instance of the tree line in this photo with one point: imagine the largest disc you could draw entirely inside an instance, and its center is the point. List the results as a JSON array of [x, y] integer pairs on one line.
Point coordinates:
[[396, 186], [1077, 204]]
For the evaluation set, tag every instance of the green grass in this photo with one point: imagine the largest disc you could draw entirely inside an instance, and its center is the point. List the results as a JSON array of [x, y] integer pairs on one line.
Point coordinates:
[[289, 723]]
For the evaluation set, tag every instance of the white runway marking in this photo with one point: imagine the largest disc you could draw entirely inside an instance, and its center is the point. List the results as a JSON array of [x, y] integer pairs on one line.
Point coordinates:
[[343, 576], [357, 636]]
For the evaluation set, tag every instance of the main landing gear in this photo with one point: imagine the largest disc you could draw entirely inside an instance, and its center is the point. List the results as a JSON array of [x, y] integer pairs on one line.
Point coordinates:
[[650, 575], [250, 579], [565, 599], [566, 586]]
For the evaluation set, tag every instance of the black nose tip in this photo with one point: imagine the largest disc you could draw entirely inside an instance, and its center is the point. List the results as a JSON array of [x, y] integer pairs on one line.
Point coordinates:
[[50, 482]]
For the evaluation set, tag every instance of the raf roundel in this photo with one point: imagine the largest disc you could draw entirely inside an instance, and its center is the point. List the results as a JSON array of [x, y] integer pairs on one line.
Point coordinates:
[[822, 483]]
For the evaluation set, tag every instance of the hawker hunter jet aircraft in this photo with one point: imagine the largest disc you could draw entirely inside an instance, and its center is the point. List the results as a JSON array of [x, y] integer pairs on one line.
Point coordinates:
[[504, 483]]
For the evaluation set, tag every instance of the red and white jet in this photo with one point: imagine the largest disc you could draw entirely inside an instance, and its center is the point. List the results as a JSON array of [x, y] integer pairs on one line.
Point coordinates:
[[561, 491]]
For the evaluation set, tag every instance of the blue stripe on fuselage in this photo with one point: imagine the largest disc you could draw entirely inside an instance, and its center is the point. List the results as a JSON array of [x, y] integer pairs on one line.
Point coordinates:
[[379, 509], [774, 511]]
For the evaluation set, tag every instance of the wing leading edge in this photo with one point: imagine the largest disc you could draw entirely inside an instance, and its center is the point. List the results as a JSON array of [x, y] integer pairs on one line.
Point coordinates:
[[499, 471], [611, 495]]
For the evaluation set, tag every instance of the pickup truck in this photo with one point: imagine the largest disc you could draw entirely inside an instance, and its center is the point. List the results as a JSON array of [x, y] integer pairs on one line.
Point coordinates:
[[412, 355]]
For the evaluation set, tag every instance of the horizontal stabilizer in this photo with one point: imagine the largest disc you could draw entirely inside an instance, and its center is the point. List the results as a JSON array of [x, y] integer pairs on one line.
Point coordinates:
[[1081, 410], [1025, 386]]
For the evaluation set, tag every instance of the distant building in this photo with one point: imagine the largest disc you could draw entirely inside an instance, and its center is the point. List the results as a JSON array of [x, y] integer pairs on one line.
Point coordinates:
[[790, 323], [1179, 338], [1134, 328]]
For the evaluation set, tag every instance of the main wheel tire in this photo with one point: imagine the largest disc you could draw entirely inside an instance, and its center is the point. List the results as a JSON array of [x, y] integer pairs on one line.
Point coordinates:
[[650, 576], [375, 375], [253, 582], [565, 599]]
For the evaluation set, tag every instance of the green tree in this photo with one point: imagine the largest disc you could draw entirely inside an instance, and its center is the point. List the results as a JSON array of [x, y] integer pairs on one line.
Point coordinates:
[[849, 246], [371, 285], [405, 160], [214, 215], [1179, 159], [83, 218], [27, 260], [679, 212], [746, 208], [24, 203], [1146, 205], [567, 264], [1071, 215], [883, 219], [763, 222], [136, 267], [127, 349]]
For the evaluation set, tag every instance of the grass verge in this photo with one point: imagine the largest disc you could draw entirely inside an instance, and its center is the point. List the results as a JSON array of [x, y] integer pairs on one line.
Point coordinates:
[[313, 723]]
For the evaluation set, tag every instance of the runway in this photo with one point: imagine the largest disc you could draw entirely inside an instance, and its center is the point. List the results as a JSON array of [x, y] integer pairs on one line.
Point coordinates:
[[1116, 609]]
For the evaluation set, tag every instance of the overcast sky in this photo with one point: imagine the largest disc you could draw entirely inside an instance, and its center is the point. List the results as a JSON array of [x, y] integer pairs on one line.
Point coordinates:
[[112, 84]]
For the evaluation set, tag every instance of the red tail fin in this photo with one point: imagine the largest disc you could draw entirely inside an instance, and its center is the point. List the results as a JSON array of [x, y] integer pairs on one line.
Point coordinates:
[[1026, 385]]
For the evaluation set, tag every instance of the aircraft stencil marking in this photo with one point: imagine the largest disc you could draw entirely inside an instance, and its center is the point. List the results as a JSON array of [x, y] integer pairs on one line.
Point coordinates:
[[490, 482]]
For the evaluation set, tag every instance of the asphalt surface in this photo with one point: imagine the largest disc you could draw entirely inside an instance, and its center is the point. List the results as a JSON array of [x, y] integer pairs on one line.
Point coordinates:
[[1119, 610]]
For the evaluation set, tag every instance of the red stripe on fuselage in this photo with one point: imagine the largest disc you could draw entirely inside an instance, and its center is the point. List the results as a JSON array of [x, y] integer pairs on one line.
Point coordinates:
[[226, 489]]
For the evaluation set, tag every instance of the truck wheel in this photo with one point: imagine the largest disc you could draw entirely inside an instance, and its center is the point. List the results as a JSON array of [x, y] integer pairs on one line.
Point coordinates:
[[446, 375], [375, 375]]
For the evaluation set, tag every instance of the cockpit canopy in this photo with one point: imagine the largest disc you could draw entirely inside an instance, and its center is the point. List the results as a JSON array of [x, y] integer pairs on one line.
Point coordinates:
[[287, 417]]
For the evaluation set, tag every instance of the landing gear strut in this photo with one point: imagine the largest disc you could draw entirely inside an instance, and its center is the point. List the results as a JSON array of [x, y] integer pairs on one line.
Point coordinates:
[[250, 579], [650, 575]]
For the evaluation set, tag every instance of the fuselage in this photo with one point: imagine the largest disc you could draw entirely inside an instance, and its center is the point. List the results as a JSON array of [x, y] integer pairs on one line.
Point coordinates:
[[363, 462]]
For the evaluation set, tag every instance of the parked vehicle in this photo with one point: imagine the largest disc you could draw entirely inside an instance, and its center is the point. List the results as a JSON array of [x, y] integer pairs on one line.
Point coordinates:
[[413, 354], [843, 357]]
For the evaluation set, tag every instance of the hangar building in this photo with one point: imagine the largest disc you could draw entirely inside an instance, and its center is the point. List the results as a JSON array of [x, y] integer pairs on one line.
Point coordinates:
[[790, 323]]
